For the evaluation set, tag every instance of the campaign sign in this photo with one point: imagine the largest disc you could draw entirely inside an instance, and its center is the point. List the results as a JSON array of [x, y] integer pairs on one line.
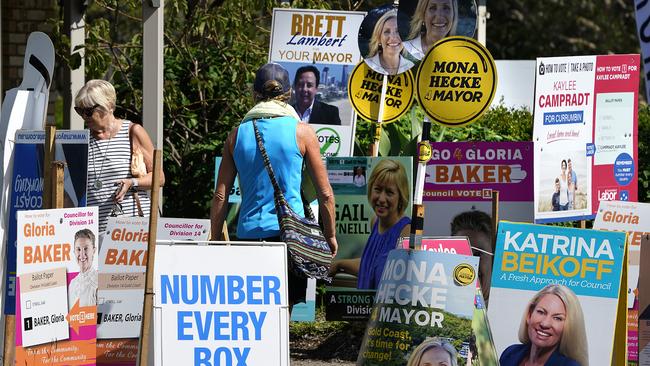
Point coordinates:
[[481, 343], [26, 191], [615, 168], [123, 261], [315, 36], [588, 266], [235, 191], [466, 174], [322, 45], [365, 89], [421, 295], [585, 134], [644, 303], [633, 218], [182, 229], [225, 306], [350, 178], [57, 287], [334, 140], [456, 81], [122, 265]]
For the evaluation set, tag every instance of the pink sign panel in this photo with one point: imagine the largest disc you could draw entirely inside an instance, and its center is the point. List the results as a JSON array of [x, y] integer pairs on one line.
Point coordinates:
[[470, 171], [615, 165]]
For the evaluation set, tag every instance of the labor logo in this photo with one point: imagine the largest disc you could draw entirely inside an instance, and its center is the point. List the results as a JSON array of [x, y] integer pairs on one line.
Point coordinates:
[[364, 91], [456, 81]]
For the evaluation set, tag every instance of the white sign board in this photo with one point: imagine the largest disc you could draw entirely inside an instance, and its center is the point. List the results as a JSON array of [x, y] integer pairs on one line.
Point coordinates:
[[123, 260], [221, 305], [57, 282]]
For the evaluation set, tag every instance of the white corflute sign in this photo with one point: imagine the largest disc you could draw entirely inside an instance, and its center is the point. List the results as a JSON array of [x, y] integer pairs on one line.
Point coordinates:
[[221, 305]]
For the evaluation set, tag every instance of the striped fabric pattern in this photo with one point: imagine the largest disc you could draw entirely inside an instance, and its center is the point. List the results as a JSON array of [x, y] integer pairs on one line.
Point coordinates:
[[109, 160]]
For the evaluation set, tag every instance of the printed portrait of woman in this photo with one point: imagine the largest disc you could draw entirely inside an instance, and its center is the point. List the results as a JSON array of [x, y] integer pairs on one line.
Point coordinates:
[[385, 53], [432, 20], [433, 352], [388, 195], [552, 331]]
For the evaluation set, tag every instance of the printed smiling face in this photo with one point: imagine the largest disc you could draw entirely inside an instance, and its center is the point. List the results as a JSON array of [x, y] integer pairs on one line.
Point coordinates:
[[84, 251], [306, 88], [435, 357], [390, 41], [384, 199], [438, 18], [546, 322]]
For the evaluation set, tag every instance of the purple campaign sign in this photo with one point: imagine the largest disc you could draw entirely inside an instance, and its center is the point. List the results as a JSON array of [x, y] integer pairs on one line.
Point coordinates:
[[470, 171]]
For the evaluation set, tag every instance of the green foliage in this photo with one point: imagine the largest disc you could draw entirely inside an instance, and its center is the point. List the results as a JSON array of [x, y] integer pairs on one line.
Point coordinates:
[[400, 137], [212, 49], [520, 29]]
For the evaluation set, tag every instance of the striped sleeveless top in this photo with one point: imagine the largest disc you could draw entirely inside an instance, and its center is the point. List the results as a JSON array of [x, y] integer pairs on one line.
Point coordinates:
[[109, 160]]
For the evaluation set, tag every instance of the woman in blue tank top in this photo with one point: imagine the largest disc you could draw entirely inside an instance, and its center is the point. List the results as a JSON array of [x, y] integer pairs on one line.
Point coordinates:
[[388, 195], [288, 143]]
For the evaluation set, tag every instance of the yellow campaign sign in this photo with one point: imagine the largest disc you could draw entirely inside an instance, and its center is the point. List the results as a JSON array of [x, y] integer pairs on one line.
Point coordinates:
[[456, 81], [364, 91]]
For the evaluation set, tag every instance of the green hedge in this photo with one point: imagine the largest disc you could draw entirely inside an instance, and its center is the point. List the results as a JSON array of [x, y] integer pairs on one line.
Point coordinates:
[[497, 124]]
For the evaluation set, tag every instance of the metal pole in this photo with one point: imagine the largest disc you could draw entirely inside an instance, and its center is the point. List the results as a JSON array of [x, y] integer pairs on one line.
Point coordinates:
[[152, 73], [481, 21], [374, 148], [417, 216]]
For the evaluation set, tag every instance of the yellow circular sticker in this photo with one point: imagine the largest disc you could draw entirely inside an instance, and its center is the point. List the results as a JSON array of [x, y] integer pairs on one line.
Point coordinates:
[[464, 274], [424, 151], [456, 81], [364, 91]]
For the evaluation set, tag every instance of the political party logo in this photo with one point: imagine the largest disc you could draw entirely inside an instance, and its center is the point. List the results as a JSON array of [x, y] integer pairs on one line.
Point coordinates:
[[365, 89], [624, 196], [329, 140], [456, 81], [607, 194]]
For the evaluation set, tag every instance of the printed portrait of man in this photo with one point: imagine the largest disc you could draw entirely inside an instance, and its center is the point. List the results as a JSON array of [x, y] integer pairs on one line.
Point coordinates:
[[310, 110]]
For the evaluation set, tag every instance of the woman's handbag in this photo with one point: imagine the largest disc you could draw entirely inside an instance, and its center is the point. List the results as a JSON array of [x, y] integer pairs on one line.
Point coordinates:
[[309, 254]]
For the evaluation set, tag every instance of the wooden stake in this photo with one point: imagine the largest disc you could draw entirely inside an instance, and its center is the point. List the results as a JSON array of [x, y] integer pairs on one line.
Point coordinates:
[[224, 232], [147, 308], [10, 340], [58, 170], [48, 147]]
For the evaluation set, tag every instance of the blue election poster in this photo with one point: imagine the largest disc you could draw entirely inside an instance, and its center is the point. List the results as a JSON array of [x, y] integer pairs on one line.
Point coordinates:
[[545, 273]]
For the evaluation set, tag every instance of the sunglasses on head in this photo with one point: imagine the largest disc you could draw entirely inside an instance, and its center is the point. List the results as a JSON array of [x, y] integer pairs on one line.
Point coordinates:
[[86, 112]]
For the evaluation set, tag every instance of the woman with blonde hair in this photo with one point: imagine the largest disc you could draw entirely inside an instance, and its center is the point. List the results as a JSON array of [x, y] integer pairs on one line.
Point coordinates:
[[433, 352], [552, 331], [120, 158], [386, 47], [432, 21], [388, 195]]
